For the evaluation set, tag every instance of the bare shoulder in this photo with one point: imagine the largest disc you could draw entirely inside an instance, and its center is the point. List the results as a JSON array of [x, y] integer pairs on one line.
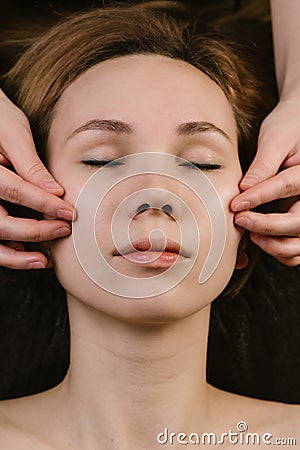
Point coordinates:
[[285, 416], [263, 416], [12, 435], [27, 423], [279, 421], [14, 432], [281, 415]]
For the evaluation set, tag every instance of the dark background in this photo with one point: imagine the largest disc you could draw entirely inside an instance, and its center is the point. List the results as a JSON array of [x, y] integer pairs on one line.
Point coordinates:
[[254, 344]]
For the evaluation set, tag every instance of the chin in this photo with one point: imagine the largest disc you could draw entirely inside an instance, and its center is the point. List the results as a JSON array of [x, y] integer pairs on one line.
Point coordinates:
[[180, 302], [186, 298]]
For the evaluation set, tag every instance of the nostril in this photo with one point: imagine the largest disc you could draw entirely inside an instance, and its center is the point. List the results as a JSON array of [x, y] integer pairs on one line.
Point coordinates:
[[167, 209], [143, 207]]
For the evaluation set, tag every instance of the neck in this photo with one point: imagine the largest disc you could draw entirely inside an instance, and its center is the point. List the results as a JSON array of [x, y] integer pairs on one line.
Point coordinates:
[[127, 382]]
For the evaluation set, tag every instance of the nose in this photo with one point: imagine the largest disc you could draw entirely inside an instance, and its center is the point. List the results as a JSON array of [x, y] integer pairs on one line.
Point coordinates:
[[154, 199], [144, 206]]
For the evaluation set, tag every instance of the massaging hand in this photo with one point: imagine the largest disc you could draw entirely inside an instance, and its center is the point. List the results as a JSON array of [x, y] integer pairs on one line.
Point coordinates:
[[278, 148], [31, 186]]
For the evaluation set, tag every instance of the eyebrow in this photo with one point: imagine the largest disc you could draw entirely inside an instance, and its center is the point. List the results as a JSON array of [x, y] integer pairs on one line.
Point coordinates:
[[119, 127], [191, 128], [112, 126]]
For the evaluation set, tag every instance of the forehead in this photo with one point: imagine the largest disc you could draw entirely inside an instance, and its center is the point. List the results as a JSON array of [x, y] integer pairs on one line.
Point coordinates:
[[150, 90]]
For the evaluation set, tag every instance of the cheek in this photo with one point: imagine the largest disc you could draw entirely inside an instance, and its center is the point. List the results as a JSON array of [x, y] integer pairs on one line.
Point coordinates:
[[227, 191], [223, 271], [76, 282]]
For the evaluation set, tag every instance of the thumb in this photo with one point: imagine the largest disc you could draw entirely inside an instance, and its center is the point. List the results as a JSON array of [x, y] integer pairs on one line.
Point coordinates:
[[17, 148]]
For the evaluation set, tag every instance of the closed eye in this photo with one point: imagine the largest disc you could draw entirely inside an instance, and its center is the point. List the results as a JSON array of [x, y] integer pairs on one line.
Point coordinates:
[[113, 163], [203, 167], [101, 162]]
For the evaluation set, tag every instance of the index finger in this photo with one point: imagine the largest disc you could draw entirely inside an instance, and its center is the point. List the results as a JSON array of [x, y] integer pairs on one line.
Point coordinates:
[[16, 190], [284, 184]]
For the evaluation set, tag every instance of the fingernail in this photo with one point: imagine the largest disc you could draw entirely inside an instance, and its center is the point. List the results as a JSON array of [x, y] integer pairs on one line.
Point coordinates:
[[250, 180], [74, 215], [64, 231], [64, 214], [241, 206], [243, 222], [52, 185], [36, 265]]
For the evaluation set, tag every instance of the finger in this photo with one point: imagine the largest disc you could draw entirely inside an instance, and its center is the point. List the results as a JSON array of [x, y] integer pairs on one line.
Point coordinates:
[[29, 167], [15, 190], [4, 161], [3, 212], [18, 246], [286, 224], [271, 152], [284, 184], [280, 247], [32, 230], [292, 160], [21, 260]]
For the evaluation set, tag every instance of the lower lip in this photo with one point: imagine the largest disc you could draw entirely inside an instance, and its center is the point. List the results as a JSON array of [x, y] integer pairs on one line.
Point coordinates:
[[152, 259]]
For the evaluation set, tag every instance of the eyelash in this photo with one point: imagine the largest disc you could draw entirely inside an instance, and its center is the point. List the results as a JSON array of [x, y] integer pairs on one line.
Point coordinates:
[[101, 162], [203, 167], [192, 165]]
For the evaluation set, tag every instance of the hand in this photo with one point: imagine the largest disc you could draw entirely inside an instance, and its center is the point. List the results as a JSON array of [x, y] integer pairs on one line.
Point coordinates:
[[278, 148], [32, 186]]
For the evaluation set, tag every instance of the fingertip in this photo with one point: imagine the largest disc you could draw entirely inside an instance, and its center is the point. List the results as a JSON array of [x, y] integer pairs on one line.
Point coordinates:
[[75, 215], [36, 265], [52, 186], [242, 205], [249, 181], [37, 260], [243, 221], [234, 202]]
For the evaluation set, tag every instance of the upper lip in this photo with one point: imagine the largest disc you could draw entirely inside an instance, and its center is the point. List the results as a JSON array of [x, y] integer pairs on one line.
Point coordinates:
[[156, 245]]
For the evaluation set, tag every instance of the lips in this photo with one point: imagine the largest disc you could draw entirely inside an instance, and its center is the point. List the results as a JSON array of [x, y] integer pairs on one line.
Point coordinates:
[[156, 245], [155, 254]]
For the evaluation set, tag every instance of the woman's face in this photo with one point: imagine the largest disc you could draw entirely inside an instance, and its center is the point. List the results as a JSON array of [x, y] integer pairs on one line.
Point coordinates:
[[133, 105]]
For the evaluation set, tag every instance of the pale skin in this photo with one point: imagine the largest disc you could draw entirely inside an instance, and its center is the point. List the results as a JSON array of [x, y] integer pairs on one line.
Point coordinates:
[[138, 366], [278, 147]]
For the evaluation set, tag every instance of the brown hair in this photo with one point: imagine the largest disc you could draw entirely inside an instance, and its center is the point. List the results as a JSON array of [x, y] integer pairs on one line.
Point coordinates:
[[58, 57]]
